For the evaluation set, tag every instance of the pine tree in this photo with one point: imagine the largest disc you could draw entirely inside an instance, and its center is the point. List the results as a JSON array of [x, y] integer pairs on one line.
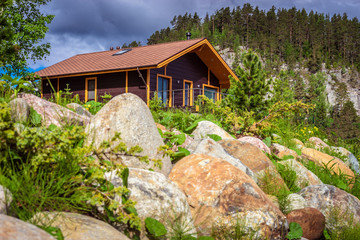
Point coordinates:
[[249, 92]]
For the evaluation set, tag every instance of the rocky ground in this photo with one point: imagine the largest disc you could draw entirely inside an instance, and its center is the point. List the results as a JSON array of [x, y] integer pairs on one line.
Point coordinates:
[[215, 187]]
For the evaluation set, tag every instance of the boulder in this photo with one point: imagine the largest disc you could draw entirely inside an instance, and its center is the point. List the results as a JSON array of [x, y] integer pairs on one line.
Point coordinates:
[[128, 115], [339, 207], [304, 177], [5, 199], [14, 229], [311, 220], [322, 159], [293, 202], [20, 110], [206, 127], [352, 161], [257, 161], [52, 113], [220, 195], [282, 151], [75, 226], [79, 109], [157, 197], [298, 143], [319, 144], [210, 147], [256, 142]]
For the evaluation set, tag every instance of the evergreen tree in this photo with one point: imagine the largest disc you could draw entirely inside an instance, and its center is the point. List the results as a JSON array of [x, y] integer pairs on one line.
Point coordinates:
[[249, 92]]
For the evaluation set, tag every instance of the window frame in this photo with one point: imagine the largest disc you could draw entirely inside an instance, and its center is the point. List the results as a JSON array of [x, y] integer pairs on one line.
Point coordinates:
[[214, 87], [87, 86], [190, 92], [170, 86]]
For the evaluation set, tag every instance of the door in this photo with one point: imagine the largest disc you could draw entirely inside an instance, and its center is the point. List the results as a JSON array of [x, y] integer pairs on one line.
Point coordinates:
[[90, 89], [188, 93]]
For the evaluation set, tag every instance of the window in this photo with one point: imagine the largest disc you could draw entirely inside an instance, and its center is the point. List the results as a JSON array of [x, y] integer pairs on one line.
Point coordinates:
[[188, 93], [90, 89], [211, 92], [164, 89]]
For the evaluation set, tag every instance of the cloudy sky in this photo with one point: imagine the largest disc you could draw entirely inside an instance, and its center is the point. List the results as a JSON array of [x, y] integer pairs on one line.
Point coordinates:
[[82, 26]]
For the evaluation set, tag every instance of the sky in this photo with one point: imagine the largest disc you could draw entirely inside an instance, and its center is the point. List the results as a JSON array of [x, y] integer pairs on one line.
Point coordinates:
[[82, 26]]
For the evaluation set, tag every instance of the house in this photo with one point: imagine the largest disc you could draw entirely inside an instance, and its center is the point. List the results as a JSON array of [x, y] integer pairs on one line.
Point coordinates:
[[177, 71]]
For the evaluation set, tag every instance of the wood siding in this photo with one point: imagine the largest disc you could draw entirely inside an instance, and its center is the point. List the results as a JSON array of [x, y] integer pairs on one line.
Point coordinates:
[[188, 67], [136, 85]]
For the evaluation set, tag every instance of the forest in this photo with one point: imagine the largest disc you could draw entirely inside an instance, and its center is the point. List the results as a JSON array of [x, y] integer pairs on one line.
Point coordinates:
[[292, 35]]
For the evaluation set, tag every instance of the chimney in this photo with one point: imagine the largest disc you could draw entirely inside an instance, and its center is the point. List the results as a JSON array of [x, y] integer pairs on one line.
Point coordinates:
[[111, 48], [188, 35], [117, 47]]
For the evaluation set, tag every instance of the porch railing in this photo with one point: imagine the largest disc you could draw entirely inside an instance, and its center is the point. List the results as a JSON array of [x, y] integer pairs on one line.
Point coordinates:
[[185, 97]]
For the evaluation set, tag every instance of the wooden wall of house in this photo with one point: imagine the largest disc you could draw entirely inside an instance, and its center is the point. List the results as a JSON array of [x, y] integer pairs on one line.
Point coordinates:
[[48, 86], [188, 67], [110, 83], [136, 85]]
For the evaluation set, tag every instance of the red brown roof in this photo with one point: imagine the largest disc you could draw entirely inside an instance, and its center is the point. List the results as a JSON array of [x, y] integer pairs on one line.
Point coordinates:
[[145, 56], [152, 56]]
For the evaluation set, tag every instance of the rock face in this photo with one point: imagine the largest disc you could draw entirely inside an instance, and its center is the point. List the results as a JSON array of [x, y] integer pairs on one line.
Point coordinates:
[[15, 229], [282, 151], [256, 142], [304, 176], [75, 226], [129, 115], [318, 142], [156, 196], [79, 109], [210, 147], [254, 159], [219, 194], [293, 202], [323, 158], [52, 113], [206, 127], [311, 220], [337, 205], [5, 199], [20, 110]]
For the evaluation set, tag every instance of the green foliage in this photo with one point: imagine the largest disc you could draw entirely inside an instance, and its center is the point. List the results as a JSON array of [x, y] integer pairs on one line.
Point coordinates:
[[13, 85], [155, 228], [50, 169], [296, 231], [215, 137], [35, 119], [282, 90], [249, 92], [53, 231], [93, 107], [25, 28]]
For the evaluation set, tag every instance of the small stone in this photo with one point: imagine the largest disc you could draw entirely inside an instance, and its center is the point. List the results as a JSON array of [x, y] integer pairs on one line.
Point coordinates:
[[318, 143], [311, 220], [256, 142], [293, 202], [204, 128]]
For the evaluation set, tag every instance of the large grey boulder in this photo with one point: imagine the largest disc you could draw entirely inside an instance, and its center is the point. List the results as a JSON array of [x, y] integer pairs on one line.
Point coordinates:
[[14, 229], [210, 147], [79, 109], [351, 160], [5, 199], [206, 127], [20, 110], [75, 226], [339, 207], [52, 113], [129, 115], [157, 197]]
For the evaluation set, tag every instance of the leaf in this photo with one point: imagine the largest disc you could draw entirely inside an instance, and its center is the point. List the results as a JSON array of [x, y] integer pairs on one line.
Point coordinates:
[[296, 231], [35, 118], [267, 141], [193, 126], [125, 176], [326, 235], [131, 210], [215, 137], [154, 227], [179, 139], [205, 238], [182, 152], [106, 186]]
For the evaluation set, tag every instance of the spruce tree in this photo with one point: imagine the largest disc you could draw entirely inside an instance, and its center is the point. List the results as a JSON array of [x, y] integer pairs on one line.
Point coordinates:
[[249, 92]]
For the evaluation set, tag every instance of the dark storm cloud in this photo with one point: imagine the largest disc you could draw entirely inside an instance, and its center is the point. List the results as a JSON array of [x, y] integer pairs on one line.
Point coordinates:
[[83, 26]]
